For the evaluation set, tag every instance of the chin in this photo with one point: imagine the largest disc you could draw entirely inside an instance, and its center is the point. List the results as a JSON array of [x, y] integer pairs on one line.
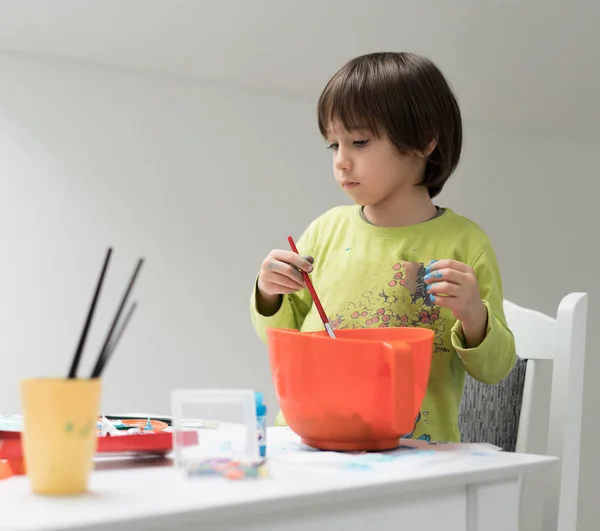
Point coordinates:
[[360, 201], [356, 196]]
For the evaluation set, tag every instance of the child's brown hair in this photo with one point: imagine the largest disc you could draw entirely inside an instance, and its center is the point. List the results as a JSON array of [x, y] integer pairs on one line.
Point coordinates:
[[405, 96]]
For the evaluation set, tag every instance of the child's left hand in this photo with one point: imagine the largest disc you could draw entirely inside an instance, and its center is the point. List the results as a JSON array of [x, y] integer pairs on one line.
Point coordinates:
[[453, 285]]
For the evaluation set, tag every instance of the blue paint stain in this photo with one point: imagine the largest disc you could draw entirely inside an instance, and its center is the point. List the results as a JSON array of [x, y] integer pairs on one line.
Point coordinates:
[[357, 466], [378, 458], [416, 452]]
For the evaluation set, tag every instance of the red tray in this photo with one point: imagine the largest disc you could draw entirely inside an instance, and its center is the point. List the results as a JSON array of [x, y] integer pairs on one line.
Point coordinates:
[[11, 451]]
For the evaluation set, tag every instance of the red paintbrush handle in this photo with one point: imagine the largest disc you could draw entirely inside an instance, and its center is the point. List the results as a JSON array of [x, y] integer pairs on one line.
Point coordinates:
[[310, 286]]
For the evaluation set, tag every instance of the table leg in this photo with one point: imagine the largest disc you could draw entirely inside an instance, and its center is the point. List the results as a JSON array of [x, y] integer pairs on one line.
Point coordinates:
[[493, 506]]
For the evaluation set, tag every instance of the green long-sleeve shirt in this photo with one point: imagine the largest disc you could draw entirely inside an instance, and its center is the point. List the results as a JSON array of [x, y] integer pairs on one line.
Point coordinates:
[[369, 276]]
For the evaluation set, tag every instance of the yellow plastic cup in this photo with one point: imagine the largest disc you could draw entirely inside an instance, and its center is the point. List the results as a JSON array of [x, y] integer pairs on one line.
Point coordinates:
[[59, 433]]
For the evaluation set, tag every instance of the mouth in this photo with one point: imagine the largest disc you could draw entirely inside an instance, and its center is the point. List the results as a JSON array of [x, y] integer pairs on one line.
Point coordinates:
[[348, 185]]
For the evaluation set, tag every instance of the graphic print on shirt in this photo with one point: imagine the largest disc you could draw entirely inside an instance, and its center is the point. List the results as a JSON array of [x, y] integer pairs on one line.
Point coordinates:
[[423, 436], [398, 297], [402, 301]]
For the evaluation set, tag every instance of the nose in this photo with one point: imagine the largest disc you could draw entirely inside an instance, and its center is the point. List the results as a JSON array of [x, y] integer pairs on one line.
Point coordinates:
[[342, 160]]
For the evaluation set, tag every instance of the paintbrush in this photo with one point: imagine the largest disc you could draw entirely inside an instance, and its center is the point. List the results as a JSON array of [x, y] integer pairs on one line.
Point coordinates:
[[313, 293]]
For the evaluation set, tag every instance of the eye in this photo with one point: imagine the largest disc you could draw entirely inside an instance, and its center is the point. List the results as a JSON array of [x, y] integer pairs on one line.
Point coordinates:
[[360, 143], [333, 146]]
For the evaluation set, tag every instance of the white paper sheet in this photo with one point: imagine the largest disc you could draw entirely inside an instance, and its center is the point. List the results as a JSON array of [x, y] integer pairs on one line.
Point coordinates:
[[285, 447]]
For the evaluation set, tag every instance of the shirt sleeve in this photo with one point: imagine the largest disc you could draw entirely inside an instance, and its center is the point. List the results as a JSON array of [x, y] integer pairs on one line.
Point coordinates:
[[294, 307], [495, 357]]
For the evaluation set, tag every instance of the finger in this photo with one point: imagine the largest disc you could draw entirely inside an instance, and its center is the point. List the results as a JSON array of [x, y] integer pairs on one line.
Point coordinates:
[[291, 258], [444, 301], [436, 265], [281, 268], [444, 288], [289, 291], [448, 275], [309, 259], [280, 282], [291, 282], [273, 289]]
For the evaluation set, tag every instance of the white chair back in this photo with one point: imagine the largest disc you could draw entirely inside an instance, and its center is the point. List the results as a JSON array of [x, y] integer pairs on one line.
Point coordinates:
[[561, 340]]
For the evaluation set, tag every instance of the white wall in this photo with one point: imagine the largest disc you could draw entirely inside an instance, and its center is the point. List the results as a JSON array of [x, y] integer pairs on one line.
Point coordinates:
[[203, 180]]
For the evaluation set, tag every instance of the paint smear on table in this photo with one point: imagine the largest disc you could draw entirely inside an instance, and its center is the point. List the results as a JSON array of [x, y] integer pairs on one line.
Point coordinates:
[[286, 447]]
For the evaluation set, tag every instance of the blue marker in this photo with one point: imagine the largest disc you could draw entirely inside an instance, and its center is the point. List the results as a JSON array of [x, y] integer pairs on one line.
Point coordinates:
[[261, 424]]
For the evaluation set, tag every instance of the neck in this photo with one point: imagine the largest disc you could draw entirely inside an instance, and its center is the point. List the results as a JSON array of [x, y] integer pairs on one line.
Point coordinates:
[[408, 207]]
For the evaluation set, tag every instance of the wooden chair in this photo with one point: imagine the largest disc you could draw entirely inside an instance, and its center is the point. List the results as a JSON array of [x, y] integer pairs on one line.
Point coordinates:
[[540, 340]]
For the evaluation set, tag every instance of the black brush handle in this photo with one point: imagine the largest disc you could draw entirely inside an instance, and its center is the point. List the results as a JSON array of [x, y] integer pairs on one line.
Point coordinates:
[[113, 344], [105, 348], [90, 316]]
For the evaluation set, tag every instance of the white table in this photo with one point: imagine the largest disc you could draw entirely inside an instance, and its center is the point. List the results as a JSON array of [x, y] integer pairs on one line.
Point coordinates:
[[438, 488]]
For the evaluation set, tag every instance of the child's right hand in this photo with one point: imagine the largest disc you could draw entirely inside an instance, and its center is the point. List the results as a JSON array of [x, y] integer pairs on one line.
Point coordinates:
[[280, 275]]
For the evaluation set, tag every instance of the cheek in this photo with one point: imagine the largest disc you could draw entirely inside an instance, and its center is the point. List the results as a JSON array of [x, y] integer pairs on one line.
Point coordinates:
[[373, 166], [383, 172], [397, 171]]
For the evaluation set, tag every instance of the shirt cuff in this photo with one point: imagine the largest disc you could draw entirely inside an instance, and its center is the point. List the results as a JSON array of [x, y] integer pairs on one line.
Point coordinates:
[[284, 315], [459, 342]]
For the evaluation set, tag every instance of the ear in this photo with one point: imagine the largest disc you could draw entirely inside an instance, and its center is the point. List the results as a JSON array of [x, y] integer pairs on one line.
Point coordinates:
[[428, 148]]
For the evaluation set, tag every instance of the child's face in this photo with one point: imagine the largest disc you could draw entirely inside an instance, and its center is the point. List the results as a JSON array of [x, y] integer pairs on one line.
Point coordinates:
[[370, 169]]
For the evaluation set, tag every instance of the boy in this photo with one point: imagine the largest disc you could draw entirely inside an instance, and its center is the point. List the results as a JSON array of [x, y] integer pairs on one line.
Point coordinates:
[[395, 258]]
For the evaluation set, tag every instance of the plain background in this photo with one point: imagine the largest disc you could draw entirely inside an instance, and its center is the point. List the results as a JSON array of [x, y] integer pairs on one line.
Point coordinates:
[[203, 178]]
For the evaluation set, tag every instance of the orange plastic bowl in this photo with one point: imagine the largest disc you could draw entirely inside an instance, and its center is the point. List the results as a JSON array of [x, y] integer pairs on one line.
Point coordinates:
[[358, 392]]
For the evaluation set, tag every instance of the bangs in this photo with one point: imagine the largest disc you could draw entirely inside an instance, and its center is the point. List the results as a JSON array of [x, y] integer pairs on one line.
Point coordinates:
[[348, 100]]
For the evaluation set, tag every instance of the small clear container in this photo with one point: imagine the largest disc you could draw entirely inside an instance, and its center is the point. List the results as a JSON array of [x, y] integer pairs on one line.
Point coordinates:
[[225, 422]]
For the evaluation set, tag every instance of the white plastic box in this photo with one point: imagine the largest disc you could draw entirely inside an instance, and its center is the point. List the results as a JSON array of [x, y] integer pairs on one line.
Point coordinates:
[[225, 420]]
